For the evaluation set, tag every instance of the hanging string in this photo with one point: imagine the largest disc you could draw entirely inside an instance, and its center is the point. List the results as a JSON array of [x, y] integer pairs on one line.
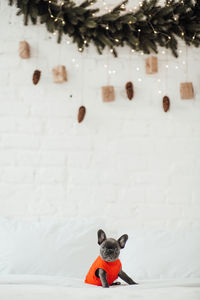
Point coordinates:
[[82, 79], [186, 63], [108, 68], [166, 74]]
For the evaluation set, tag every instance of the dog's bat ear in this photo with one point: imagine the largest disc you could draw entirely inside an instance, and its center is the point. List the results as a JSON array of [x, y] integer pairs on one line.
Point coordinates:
[[122, 240], [101, 236]]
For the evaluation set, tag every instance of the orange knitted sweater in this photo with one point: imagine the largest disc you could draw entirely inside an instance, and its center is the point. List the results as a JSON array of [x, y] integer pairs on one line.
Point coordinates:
[[112, 269]]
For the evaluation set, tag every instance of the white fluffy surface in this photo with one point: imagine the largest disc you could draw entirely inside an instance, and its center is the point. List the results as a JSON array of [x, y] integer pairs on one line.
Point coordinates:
[[52, 288], [68, 248]]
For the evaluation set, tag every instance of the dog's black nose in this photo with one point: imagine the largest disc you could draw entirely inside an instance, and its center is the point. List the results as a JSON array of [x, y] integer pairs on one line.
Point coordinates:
[[110, 250]]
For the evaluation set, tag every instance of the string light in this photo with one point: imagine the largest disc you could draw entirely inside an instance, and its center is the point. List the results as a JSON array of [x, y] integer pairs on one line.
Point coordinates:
[[80, 49], [52, 16], [138, 69], [139, 79], [107, 27]]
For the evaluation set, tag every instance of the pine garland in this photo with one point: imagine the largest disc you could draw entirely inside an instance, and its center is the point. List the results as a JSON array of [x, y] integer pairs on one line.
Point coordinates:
[[150, 26]]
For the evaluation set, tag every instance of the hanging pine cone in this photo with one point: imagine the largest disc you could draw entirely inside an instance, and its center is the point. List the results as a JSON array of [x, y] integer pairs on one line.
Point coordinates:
[[130, 90], [166, 103], [36, 76], [81, 113]]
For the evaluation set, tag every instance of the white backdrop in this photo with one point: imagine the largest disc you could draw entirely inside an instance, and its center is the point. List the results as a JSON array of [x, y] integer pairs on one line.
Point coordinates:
[[128, 161]]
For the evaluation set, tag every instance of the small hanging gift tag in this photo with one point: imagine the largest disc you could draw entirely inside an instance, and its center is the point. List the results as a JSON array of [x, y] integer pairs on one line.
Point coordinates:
[[24, 50], [36, 76], [130, 90], [59, 74], [151, 65], [186, 90], [108, 93], [166, 103]]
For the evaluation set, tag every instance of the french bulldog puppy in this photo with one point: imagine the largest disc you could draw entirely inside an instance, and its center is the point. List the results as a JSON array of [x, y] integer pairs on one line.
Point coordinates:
[[107, 267]]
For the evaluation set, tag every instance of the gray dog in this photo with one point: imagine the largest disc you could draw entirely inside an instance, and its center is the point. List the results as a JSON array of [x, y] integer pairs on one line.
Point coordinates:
[[107, 267]]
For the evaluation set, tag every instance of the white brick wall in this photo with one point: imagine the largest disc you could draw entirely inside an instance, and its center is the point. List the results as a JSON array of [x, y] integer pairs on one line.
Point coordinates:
[[128, 159]]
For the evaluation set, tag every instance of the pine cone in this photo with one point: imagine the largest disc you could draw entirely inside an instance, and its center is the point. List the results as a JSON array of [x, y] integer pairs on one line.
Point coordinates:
[[36, 76], [130, 90], [81, 113], [166, 103]]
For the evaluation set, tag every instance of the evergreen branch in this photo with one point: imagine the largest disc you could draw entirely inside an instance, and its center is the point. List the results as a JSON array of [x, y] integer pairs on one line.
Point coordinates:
[[150, 26]]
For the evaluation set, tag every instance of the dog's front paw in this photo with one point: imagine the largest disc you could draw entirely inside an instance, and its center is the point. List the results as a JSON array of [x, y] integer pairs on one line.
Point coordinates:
[[116, 283], [133, 282], [106, 286]]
